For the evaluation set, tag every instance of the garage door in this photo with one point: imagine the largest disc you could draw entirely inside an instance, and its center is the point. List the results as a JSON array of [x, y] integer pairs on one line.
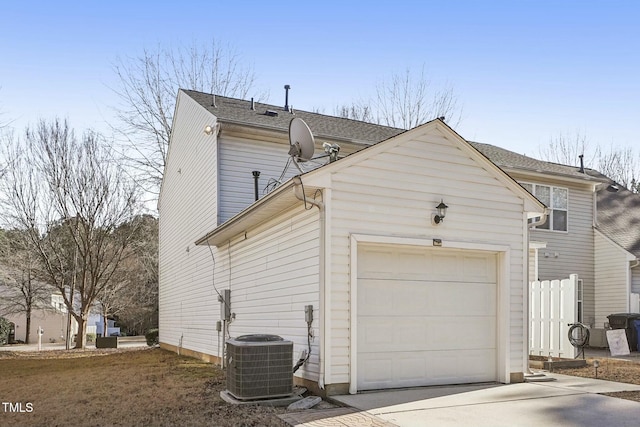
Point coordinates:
[[426, 316]]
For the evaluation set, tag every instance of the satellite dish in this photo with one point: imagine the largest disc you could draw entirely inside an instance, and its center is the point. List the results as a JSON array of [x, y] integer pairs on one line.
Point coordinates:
[[301, 148], [302, 144]]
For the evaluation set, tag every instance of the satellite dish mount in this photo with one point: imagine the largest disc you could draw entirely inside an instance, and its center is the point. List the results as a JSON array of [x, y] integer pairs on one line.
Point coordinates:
[[301, 142]]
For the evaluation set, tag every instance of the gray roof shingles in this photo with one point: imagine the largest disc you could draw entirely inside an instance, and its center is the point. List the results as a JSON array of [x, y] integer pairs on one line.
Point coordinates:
[[619, 217], [618, 213], [509, 160], [323, 126]]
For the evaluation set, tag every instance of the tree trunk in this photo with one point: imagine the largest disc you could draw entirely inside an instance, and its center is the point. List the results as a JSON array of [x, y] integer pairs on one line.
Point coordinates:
[[81, 336], [28, 327], [105, 323]]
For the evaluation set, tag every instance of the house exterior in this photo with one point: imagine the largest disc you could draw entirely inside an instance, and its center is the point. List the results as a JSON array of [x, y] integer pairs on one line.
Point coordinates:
[[95, 325], [617, 245], [591, 232], [398, 298], [52, 319]]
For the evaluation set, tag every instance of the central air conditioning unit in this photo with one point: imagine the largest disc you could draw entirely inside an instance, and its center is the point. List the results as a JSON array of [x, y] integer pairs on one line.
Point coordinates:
[[259, 366]]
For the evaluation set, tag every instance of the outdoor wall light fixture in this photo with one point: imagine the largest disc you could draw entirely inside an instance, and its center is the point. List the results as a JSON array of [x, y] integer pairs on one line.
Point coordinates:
[[208, 130], [442, 212]]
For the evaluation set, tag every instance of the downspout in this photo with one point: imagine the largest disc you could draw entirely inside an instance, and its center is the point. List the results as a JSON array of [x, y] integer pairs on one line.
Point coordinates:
[[527, 324], [299, 193], [542, 220]]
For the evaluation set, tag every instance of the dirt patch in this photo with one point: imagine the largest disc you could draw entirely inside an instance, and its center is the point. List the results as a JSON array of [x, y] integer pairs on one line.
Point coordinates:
[[611, 370], [122, 387]]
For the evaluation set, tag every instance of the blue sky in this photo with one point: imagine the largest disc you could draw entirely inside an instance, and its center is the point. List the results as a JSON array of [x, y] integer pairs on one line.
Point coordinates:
[[524, 71]]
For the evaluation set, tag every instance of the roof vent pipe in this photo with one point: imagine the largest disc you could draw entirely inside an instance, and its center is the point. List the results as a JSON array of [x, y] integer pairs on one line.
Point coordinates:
[[253, 104], [213, 100], [581, 163], [256, 176], [286, 97]]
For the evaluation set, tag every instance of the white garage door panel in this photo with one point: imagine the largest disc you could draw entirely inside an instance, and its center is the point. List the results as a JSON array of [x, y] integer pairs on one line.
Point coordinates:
[[451, 367], [393, 298], [425, 316], [412, 369], [426, 333]]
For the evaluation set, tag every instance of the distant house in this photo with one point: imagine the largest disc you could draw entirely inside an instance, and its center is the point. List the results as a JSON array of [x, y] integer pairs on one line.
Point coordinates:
[[95, 325], [617, 242], [399, 299], [52, 319]]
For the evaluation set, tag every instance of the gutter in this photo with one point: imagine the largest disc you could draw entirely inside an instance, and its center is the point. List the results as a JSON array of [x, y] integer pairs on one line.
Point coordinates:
[[280, 130], [542, 220], [323, 305], [254, 207], [527, 324]]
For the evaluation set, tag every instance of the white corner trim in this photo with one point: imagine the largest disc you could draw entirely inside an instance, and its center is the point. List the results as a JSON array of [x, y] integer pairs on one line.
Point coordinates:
[[353, 334]]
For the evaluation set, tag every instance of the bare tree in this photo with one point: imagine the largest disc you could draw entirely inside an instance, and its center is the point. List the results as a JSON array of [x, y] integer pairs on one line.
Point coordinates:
[[148, 85], [621, 164], [132, 295], [4, 122], [406, 100], [70, 196], [356, 111], [21, 291], [565, 149]]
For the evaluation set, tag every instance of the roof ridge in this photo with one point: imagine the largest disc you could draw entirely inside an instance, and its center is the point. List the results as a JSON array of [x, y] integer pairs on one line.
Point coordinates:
[[279, 107]]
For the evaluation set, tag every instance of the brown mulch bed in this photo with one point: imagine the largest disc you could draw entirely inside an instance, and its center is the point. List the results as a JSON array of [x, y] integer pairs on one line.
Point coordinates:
[[617, 370], [122, 387]]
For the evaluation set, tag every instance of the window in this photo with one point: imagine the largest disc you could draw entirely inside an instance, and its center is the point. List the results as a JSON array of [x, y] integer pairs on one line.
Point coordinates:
[[557, 200]]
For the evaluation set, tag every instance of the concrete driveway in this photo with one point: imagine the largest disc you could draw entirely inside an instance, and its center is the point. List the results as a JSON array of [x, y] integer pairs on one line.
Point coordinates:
[[566, 401]]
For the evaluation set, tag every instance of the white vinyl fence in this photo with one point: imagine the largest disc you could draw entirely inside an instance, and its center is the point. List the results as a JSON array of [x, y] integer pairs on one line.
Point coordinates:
[[553, 307]]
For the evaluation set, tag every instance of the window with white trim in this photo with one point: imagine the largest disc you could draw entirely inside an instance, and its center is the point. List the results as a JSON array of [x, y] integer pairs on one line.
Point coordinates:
[[557, 200]]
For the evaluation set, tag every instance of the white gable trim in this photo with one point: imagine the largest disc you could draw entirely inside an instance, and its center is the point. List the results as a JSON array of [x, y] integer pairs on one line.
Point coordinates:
[[531, 204]]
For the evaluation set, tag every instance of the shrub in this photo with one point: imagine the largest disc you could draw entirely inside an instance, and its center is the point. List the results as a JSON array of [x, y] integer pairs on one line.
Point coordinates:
[[5, 327], [91, 337], [152, 337]]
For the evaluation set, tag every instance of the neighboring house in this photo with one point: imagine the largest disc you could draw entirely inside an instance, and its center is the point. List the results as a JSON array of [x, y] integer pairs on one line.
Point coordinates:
[[592, 232], [617, 243], [52, 319], [398, 299], [95, 325]]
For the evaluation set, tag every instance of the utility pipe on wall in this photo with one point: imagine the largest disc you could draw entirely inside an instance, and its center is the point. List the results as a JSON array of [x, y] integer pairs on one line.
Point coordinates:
[[299, 193], [256, 176]]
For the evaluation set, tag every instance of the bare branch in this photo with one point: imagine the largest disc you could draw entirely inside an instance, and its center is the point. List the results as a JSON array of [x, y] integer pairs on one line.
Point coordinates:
[[405, 101], [69, 196], [566, 149], [148, 85], [618, 163]]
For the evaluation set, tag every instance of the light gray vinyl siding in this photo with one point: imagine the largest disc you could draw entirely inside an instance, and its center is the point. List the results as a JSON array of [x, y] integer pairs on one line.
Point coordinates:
[[611, 274], [187, 208], [570, 252], [394, 193], [635, 280], [239, 157], [272, 275]]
